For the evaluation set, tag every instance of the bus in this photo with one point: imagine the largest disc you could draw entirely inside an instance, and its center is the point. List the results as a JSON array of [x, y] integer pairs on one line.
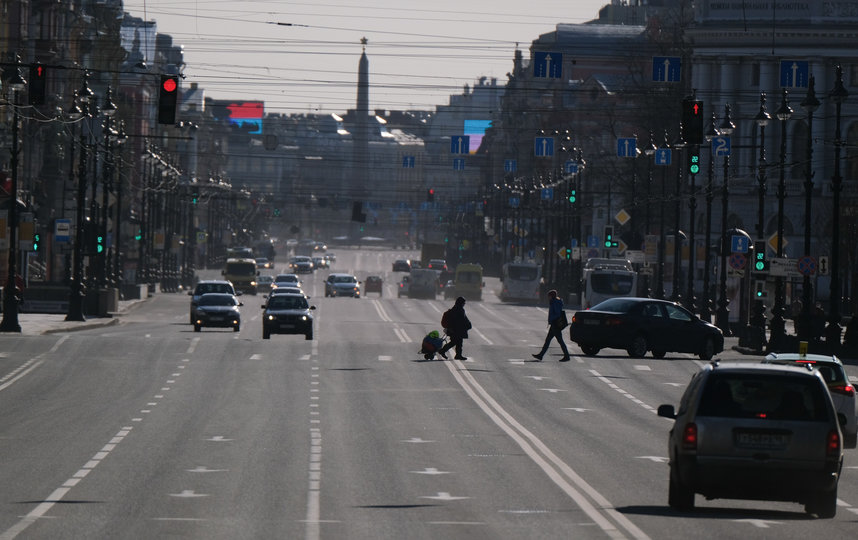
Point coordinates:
[[608, 278], [242, 273], [520, 282]]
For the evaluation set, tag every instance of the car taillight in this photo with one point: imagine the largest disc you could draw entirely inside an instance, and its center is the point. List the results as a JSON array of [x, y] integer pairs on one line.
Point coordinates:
[[575, 318], [613, 321], [845, 389], [689, 437], [832, 444]]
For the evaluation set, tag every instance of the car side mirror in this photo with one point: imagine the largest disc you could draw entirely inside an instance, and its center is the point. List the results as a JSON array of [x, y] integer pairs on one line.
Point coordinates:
[[190, 293], [240, 304], [667, 411], [263, 306], [841, 419], [312, 307], [238, 293]]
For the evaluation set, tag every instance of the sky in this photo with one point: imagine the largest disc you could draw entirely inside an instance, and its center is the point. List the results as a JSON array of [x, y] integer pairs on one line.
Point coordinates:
[[302, 57]]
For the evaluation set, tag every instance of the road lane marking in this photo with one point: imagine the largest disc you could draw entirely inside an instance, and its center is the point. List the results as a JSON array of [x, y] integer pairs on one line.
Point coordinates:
[[601, 511]]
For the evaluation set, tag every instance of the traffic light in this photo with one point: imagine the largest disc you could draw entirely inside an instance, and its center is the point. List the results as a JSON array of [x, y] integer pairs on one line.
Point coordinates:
[[99, 243], [568, 253], [430, 195], [692, 121], [693, 157], [609, 237], [37, 240], [37, 83], [573, 194], [760, 289], [168, 97], [195, 197], [139, 236], [761, 262]]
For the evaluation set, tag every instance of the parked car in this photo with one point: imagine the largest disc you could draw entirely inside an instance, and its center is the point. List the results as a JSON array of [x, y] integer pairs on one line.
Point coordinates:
[[639, 325], [755, 431], [401, 265], [342, 285], [841, 390], [373, 284], [217, 310], [402, 286], [287, 314], [208, 286]]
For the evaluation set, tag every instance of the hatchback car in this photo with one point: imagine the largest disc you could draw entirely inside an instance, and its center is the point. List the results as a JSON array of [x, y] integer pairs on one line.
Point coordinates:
[[639, 325], [402, 286], [208, 286], [373, 284], [342, 285], [287, 314], [842, 391], [217, 310], [755, 431]]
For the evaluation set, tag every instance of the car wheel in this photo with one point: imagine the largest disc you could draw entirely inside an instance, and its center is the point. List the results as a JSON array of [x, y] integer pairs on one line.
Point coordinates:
[[266, 334], [191, 318], [236, 328], [197, 328], [590, 350], [708, 350], [658, 353], [823, 504], [308, 336], [637, 348], [679, 497]]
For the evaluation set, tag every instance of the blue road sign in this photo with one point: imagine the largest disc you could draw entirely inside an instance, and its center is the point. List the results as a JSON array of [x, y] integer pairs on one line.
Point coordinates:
[[547, 64], [662, 156], [510, 165], [721, 146], [543, 146], [458, 164], [514, 202], [571, 167], [547, 193], [627, 147], [408, 162], [573, 242], [593, 241], [460, 144], [739, 243], [666, 69], [794, 73]]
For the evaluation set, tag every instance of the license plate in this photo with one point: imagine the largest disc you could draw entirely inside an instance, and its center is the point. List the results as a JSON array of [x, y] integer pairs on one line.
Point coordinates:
[[590, 322], [761, 440], [215, 319], [287, 325]]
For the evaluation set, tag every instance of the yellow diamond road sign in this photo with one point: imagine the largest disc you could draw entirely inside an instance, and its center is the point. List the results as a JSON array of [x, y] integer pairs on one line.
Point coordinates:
[[622, 217]]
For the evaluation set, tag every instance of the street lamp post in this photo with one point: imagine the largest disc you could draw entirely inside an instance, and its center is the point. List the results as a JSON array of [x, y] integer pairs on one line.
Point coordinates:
[[722, 317], [778, 329], [832, 332], [809, 104], [108, 110], [676, 294], [649, 151], [117, 225], [76, 293], [10, 298], [662, 235], [706, 306], [758, 318]]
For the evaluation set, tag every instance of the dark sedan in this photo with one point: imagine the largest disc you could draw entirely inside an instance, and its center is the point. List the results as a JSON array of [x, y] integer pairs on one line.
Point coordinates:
[[287, 314], [219, 310], [639, 325]]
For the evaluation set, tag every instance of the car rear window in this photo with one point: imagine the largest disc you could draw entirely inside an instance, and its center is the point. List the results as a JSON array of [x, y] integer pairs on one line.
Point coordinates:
[[763, 396]]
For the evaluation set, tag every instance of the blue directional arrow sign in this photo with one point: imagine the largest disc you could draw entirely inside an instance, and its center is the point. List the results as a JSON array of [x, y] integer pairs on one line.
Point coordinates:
[[458, 164], [721, 145], [408, 162], [739, 243], [460, 144], [547, 64], [666, 69], [543, 146], [662, 156], [547, 194], [794, 73], [571, 167], [514, 202], [627, 147], [510, 165]]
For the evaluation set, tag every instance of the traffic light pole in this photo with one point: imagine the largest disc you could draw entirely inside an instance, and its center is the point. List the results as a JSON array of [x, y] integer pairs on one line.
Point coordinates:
[[76, 294]]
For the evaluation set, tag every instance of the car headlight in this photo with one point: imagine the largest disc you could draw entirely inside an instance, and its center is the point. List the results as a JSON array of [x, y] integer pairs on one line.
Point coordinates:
[[303, 317], [271, 317]]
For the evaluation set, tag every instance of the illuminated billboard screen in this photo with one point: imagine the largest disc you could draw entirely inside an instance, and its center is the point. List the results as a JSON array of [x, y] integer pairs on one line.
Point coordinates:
[[247, 115], [476, 129]]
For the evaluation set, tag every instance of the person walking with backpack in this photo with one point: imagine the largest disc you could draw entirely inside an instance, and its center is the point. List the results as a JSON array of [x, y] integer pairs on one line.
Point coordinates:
[[456, 324], [556, 323]]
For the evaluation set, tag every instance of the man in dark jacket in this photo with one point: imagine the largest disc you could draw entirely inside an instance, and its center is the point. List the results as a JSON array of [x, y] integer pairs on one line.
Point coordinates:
[[457, 329]]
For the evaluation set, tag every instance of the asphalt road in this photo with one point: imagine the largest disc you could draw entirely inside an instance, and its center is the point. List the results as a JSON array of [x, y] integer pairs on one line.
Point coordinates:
[[146, 429]]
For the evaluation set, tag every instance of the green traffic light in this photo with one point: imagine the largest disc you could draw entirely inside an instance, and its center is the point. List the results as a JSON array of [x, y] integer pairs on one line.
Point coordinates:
[[695, 169], [573, 197], [760, 265]]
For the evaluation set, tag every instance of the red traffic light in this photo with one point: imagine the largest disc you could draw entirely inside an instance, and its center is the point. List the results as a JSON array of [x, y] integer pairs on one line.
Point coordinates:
[[431, 191], [169, 85]]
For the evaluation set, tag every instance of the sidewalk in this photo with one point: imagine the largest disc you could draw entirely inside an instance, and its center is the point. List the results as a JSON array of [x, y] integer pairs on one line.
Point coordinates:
[[33, 324]]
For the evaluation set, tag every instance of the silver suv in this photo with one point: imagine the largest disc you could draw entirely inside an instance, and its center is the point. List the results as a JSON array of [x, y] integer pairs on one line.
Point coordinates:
[[755, 431]]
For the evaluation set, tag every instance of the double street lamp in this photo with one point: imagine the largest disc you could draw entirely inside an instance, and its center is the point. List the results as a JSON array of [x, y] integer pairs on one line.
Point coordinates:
[[10, 299], [809, 104], [778, 329], [707, 304], [722, 317], [832, 332]]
